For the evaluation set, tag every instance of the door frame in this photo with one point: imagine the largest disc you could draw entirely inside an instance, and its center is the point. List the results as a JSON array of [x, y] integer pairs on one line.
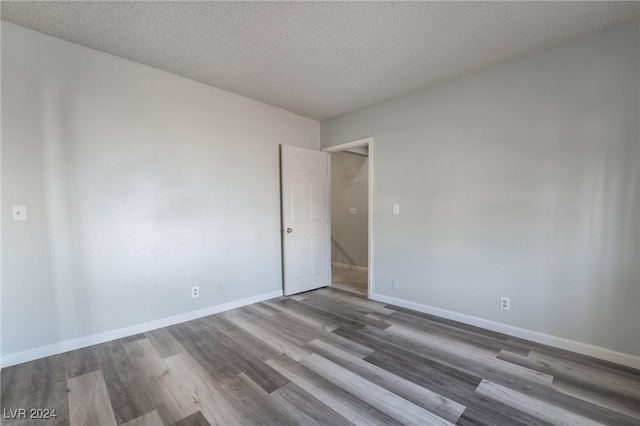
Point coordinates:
[[368, 142]]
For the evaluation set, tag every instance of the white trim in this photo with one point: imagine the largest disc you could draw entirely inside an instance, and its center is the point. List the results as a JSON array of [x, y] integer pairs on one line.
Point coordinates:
[[368, 142], [371, 192], [347, 266], [83, 342], [353, 144], [546, 339]]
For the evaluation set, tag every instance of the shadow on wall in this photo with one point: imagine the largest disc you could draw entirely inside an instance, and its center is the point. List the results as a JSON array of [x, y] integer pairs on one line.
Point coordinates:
[[70, 314], [339, 254]]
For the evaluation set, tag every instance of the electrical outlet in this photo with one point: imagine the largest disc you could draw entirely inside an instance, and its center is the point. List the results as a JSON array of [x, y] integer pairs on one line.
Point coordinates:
[[394, 284], [505, 303], [222, 291], [195, 292], [18, 212]]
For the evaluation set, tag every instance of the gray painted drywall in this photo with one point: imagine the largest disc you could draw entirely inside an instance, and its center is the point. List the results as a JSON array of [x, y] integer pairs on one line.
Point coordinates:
[[349, 189], [521, 180], [138, 184]]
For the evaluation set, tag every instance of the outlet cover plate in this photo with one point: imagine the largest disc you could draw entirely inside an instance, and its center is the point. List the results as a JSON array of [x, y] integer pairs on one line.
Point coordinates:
[[19, 212], [505, 303]]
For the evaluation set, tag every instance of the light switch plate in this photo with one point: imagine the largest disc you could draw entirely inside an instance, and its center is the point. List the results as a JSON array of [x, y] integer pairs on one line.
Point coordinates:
[[396, 209], [353, 210], [19, 212]]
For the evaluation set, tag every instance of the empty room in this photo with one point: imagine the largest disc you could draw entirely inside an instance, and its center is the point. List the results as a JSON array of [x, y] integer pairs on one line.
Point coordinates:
[[338, 213]]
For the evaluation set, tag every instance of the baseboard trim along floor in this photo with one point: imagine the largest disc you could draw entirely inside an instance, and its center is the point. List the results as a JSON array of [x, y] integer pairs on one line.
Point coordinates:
[[545, 339], [324, 356], [70, 345]]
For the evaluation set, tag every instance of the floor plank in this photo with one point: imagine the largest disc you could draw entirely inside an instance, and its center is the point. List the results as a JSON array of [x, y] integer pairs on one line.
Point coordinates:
[[385, 401], [347, 405], [250, 344], [443, 379], [129, 399], [247, 363], [542, 410], [600, 378], [463, 356], [323, 357], [161, 383], [344, 314], [297, 310], [254, 405], [456, 324], [199, 345], [584, 360], [279, 341], [627, 406], [149, 419], [435, 403], [196, 419], [89, 400], [480, 341], [206, 393], [164, 342], [305, 409]]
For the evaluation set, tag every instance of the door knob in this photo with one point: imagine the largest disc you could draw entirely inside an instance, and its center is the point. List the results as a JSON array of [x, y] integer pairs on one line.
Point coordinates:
[[289, 230]]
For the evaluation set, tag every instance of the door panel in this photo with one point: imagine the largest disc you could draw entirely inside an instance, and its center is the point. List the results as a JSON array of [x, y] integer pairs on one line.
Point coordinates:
[[297, 201], [297, 249], [316, 255], [305, 219], [315, 201]]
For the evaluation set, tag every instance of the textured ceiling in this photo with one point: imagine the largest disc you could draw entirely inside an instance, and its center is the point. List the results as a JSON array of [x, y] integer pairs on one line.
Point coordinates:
[[319, 59]]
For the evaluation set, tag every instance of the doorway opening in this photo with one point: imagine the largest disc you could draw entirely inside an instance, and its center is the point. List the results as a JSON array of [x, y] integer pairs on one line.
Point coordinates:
[[352, 216]]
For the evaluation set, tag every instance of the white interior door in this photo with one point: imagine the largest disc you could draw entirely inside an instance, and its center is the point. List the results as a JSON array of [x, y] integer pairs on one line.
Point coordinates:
[[305, 219]]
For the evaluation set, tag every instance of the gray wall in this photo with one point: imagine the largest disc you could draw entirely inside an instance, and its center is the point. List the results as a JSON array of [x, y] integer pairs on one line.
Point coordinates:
[[521, 180], [349, 188], [138, 184]]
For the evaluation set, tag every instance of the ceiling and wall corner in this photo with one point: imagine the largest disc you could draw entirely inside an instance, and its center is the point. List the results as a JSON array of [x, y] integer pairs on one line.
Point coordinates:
[[320, 59]]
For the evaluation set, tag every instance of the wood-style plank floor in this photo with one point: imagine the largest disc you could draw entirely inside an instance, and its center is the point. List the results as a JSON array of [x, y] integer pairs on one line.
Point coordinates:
[[322, 357]]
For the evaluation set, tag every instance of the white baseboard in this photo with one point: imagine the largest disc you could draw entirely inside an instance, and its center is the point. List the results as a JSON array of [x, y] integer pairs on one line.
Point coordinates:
[[347, 266], [545, 339], [83, 342]]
